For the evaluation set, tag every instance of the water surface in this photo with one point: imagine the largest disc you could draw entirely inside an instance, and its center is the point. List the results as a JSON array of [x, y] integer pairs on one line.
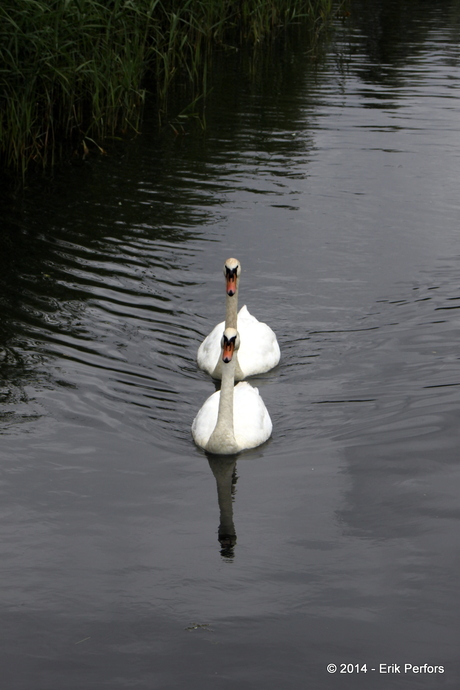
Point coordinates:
[[336, 185]]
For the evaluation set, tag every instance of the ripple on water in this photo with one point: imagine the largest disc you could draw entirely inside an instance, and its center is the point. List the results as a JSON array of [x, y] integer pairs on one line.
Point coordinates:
[[117, 316]]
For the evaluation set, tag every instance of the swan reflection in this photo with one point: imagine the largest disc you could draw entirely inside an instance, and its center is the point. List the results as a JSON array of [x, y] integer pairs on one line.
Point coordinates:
[[224, 470]]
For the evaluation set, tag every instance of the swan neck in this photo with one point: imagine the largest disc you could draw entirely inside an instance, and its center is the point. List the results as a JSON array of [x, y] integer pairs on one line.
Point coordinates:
[[231, 310], [225, 414], [222, 439]]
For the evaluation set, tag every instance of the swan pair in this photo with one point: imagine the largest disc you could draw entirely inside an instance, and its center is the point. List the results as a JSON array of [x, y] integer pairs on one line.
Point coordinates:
[[235, 418]]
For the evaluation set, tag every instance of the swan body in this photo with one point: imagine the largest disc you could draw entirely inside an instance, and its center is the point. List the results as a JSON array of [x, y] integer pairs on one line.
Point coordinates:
[[234, 418], [259, 350]]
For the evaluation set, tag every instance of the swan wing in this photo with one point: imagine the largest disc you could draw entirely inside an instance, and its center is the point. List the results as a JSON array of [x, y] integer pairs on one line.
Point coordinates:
[[206, 419], [209, 352], [259, 350], [251, 421]]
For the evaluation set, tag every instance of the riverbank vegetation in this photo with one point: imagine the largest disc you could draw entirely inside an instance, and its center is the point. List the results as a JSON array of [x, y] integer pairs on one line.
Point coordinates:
[[73, 72]]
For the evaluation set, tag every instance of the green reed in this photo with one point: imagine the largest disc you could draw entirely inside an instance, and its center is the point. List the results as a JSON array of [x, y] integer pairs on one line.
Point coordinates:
[[74, 71]]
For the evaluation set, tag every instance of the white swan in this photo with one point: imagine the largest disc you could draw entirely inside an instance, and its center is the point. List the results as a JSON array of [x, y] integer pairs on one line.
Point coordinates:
[[259, 351], [234, 418]]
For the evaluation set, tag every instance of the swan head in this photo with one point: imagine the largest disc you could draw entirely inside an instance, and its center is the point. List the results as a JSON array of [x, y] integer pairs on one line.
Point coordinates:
[[232, 271], [230, 343]]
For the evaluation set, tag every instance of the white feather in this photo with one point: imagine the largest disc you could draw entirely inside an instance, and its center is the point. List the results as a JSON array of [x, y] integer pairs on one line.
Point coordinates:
[[259, 350], [251, 422]]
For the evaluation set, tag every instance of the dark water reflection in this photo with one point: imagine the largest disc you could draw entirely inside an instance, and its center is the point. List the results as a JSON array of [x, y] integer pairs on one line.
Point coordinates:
[[128, 558]]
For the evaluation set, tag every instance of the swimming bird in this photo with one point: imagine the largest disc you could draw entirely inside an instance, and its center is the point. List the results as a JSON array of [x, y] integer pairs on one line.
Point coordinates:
[[234, 418], [259, 350]]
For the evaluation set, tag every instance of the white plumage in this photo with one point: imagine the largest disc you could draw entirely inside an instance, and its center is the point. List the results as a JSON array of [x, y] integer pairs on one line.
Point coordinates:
[[251, 421], [259, 350], [234, 418]]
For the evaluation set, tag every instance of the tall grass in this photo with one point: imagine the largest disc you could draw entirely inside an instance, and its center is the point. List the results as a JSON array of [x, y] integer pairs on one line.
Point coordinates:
[[74, 71]]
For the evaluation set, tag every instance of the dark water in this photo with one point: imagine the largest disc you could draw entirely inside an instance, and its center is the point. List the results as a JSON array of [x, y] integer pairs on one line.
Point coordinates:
[[337, 186]]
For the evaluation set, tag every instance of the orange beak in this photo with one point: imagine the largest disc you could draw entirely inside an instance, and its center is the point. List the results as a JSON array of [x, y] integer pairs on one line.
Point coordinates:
[[228, 349], [231, 284]]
